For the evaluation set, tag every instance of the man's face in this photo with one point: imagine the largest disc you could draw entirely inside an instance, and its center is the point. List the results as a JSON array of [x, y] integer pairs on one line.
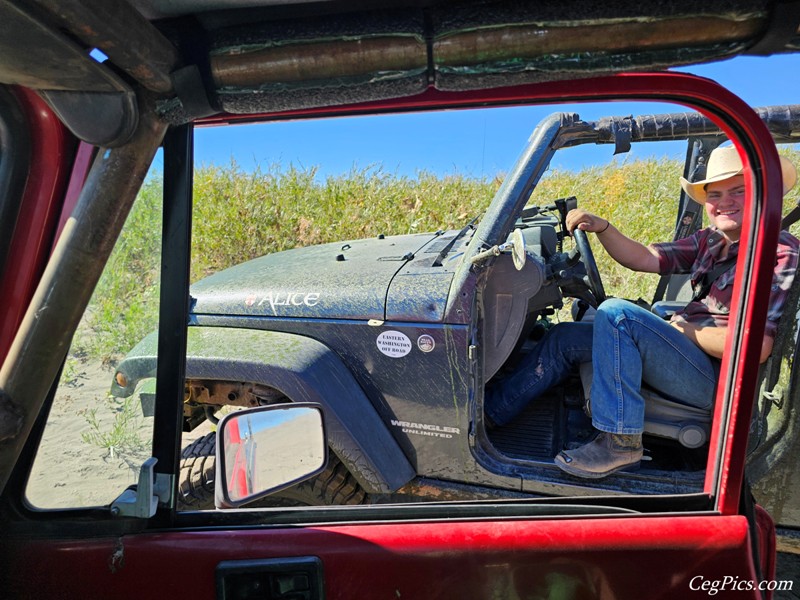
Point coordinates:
[[725, 205]]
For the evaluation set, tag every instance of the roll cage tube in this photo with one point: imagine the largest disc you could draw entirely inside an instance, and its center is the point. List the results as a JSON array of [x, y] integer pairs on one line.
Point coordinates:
[[510, 199]]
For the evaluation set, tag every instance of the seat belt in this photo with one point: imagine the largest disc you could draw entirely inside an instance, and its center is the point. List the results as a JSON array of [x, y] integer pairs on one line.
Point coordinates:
[[708, 279], [791, 218], [704, 286]]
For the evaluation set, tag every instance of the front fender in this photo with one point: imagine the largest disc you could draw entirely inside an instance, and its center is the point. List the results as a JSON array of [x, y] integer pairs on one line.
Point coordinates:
[[302, 369]]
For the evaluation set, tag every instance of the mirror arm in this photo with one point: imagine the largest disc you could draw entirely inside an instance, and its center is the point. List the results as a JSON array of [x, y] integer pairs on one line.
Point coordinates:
[[482, 256]]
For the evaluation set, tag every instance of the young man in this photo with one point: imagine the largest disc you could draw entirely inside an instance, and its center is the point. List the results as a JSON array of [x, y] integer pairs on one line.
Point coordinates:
[[629, 345]]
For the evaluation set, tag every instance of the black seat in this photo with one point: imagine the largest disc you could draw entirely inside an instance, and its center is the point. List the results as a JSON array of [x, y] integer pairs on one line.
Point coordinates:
[[664, 417]]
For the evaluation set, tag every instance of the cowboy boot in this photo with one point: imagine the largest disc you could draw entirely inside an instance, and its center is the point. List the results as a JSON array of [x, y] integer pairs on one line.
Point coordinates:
[[606, 454]]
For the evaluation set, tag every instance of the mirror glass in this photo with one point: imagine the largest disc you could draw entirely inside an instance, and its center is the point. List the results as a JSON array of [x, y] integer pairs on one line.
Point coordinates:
[[518, 249], [268, 448]]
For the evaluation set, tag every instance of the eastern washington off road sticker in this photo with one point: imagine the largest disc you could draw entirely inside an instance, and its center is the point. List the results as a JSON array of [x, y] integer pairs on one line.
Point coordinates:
[[394, 344]]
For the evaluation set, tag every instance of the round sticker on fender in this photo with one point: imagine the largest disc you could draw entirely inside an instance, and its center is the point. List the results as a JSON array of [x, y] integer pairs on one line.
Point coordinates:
[[394, 344]]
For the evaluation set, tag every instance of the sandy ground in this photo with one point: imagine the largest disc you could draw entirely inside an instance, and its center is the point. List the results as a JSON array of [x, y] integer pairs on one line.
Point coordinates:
[[89, 452], [93, 445]]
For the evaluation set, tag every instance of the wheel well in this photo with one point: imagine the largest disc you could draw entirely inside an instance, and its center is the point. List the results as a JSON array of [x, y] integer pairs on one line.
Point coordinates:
[[204, 397]]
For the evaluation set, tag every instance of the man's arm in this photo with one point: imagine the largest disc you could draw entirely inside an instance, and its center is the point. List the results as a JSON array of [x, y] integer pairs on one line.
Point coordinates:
[[711, 340], [626, 251]]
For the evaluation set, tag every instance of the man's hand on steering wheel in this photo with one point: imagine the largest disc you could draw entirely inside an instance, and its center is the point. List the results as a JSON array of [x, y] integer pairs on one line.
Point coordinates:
[[585, 221]]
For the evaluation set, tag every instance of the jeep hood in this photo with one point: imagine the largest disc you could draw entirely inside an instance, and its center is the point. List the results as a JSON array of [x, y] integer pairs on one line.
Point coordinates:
[[391, 278]]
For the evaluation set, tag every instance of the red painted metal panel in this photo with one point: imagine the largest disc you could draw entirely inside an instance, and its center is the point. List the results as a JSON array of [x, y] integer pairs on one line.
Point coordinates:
[[612, 557], [630, 557], [51, 151]]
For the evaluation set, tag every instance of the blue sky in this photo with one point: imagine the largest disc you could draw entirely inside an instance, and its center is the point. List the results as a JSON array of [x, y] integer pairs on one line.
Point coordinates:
[[472, 142]]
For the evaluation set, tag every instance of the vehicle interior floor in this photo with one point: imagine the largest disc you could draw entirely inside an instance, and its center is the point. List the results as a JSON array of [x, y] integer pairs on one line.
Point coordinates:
[[552, 423]]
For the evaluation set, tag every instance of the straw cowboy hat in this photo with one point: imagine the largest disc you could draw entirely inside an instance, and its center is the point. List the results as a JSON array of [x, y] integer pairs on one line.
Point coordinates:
[[725, 163]]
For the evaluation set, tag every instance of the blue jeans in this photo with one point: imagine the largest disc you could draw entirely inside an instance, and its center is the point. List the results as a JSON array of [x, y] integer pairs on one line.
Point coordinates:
[[627, 345]]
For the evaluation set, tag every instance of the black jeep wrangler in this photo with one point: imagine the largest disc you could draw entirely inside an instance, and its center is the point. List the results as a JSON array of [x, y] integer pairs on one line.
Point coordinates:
[[397, 336]]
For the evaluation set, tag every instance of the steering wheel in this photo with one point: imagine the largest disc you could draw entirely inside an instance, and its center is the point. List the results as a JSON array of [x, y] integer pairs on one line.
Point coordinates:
[[587, 258]]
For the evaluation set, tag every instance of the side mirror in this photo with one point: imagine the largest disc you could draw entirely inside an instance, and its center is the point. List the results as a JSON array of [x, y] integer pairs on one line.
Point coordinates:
[[518, 249], [263, 450]]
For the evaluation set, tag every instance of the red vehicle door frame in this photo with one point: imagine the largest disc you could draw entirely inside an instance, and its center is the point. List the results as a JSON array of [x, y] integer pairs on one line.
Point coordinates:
[[52, 150], [461, 552], [758, 243]]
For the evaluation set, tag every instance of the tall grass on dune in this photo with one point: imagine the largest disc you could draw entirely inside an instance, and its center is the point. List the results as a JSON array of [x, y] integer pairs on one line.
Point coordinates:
[[240, 215], [124, 306]]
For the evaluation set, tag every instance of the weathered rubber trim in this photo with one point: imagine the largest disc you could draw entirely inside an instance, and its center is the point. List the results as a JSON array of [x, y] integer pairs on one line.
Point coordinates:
[[302, 369]]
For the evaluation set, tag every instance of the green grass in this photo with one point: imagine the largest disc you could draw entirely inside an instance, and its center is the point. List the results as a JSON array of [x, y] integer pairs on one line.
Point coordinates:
[[241, 214], [124, 306], [124, 435]]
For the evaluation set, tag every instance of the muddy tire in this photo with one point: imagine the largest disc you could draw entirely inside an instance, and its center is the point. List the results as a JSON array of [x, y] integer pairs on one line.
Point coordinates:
[[334, 486], [196, 480]]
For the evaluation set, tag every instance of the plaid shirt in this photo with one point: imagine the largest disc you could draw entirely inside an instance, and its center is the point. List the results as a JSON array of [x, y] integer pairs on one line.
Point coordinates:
[[698, 254]]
